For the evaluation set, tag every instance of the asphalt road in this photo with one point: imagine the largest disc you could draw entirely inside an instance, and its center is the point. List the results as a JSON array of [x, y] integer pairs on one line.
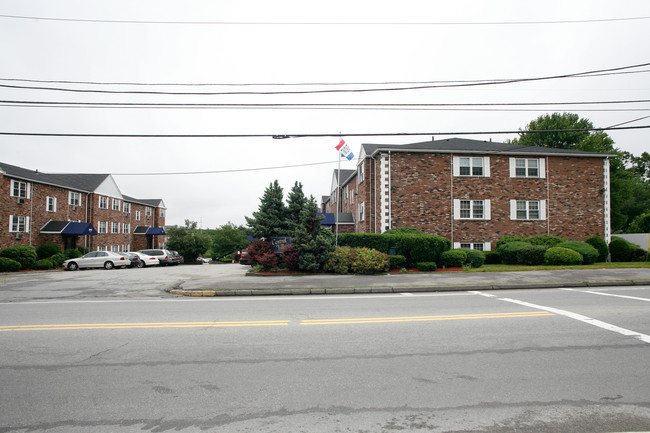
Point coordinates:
[[504, 361]]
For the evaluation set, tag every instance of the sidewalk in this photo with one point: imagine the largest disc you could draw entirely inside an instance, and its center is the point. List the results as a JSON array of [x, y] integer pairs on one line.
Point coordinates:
[[254, 285]]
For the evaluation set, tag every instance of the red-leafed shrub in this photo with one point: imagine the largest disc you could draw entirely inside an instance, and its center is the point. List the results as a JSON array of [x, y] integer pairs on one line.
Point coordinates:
[[290, 257], [257, 249]]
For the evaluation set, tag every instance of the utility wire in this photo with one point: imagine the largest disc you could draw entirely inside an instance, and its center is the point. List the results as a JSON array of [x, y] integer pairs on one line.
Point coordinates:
[[283, 136], [329, 23], [433, 86]]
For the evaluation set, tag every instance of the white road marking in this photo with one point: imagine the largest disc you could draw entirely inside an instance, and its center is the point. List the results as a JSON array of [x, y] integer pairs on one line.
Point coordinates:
[[588, 320], [636, 298]]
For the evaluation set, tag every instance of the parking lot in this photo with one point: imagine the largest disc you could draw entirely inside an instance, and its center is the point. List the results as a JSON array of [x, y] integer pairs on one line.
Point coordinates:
[[100, 283]]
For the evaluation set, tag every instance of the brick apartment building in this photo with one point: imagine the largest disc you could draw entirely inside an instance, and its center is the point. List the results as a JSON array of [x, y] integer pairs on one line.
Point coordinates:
[[73, 210], [475, 192]]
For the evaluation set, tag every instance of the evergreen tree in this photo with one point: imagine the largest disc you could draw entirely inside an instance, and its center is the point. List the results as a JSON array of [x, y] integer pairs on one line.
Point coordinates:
[[296, 201], [312, 243], [271, 216]]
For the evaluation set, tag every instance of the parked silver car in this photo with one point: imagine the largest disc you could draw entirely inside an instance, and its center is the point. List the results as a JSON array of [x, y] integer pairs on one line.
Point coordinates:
[[164, 256], [97, 259], [145, 260]]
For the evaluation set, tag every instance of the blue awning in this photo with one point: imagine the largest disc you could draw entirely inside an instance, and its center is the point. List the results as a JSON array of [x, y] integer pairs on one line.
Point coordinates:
[[156, 231], [79, 229]]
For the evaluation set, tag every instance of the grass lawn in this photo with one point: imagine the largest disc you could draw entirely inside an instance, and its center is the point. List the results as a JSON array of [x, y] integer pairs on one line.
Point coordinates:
[[510, 268]]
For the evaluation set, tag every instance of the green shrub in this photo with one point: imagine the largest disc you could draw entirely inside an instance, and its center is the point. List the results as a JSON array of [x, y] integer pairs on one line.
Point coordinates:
[[43, 264], [72, 254], [638, 254], [475, 258], [397, 262], [83, 250], [601, 246], [492, 258], [420, 248], [368, 261], [57, 260], [531, 255], [546, 241], [23, 254], [562, 256], [507, 239], [9, 265], [508, 251], [340, 260], [589, 253], [620, 249], [453, 258], [375, 241], [426, 266], [404, 231], [46, 251]]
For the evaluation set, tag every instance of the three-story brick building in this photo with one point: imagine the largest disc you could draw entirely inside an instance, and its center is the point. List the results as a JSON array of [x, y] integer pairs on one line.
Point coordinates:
[[75, 210], [475, 192]]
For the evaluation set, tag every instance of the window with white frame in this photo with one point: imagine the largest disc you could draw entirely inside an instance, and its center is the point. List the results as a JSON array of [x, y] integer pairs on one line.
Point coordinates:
[[18, 223], [352, 194], [115, 248], [103, 202], [147, 211], [126, 248], [116, 204], [361, 173], [19, 189], [101, 227], [162, 213], [527, 167], [479, 246], [74, 198], [137, 215], [528, 209], [126, 228], [472, 209], [126, 207], [102, 248], [478, 166], [115, 227], [50, 204], [361, 211]]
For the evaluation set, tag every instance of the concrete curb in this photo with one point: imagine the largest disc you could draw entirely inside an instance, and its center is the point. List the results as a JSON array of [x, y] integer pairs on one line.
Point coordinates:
[[371, 290]]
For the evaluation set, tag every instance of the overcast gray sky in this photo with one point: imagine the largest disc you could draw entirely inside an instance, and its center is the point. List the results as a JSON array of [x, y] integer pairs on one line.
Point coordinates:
[[294, 42]]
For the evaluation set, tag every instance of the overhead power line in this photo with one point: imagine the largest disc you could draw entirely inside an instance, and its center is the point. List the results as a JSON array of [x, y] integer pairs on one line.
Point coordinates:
[[330, 23], [315, 135], [360, 90]]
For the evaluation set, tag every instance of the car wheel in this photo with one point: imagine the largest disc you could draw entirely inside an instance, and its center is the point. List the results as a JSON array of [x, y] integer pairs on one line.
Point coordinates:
[[140, 264], [109, 265], [72, 266]]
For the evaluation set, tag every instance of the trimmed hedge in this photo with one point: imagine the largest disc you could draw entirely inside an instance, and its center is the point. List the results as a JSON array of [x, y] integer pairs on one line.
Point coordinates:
[[507, 239], [375, 241], [57, 260], [369, 261], [546, 241], [531, 255], [589, 253], [426, 266], [9, 265], [397, 262], [43, 264], [620, 249], [340, 260], [453, 258], [72, 254], [23, 254], [46, 251], [562, 256], [601, 246], [492, 257], [475, 258], [508, 251]]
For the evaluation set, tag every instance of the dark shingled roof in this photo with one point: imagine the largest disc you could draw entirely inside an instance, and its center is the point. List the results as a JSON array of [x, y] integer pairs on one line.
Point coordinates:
[[464, 145], [345, 175], [74, 181]]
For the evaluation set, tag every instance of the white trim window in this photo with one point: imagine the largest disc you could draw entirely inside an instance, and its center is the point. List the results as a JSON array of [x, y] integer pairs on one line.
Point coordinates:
[[74, 198], [472, 209], [138, 214], [477, 166], [50, 204], [361, 210], [126, 228], [528, 167], [126, 207], [147, 211], [527, 209], [18, 224], [102, 248], [116, 204], [352, 193], [162, 213], [361, 173], [103, 202], [115, 228], [115, 248], [101, 227], [20, 189], [479, 246]]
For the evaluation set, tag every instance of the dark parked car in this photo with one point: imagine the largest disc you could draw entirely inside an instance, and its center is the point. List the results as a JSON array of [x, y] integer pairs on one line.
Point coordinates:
[[177, 259], [243, 258], [164, 256], [135, 261]]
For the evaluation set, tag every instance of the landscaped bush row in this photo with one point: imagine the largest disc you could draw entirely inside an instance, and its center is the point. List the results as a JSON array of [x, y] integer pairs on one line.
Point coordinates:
[[47, 256], [357, 260]]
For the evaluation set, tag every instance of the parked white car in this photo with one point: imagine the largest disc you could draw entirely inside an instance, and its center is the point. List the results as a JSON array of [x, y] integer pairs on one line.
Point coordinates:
[[146, 260], [97, 259]]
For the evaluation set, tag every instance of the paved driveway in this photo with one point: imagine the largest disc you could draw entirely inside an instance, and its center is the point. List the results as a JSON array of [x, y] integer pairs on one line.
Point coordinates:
[[100, 283]]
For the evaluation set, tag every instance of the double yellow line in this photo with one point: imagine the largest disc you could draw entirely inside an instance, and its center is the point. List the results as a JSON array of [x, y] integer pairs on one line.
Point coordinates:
[[357, 321]]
